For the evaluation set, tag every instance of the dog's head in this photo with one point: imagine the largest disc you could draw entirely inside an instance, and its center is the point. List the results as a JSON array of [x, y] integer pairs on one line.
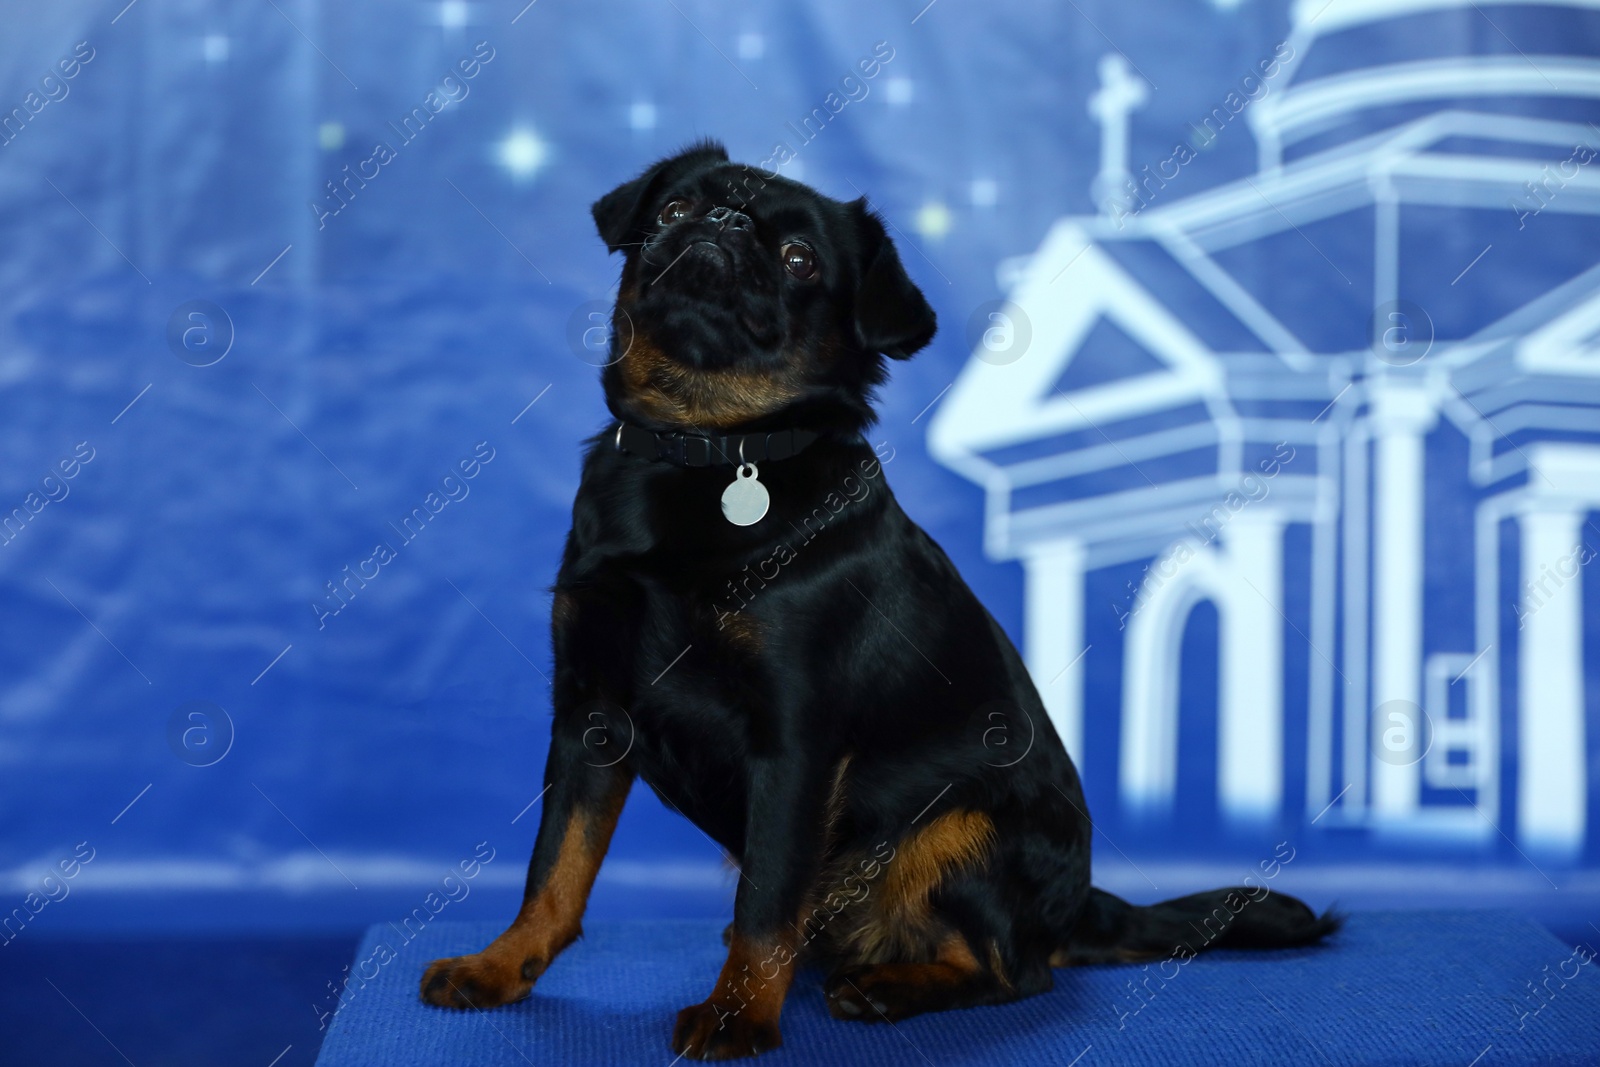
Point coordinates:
[[749, 301]]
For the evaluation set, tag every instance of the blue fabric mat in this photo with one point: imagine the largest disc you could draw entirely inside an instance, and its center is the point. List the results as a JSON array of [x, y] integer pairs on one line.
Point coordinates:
[[1403, 988]]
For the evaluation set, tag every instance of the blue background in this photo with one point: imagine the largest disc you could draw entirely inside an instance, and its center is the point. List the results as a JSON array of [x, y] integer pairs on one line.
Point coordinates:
[[374, 349]]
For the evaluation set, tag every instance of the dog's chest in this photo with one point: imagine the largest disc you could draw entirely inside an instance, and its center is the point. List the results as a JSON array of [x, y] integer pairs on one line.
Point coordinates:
[[697, 656]]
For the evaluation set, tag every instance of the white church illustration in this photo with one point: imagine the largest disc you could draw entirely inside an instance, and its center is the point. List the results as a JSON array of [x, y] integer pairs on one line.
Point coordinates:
[[1152, 366]]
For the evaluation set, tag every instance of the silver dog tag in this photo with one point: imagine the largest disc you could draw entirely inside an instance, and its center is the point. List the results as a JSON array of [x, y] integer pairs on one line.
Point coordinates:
[[745, 501]]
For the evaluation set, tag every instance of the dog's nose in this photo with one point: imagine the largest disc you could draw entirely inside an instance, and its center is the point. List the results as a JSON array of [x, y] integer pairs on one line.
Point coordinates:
[[727, 218]]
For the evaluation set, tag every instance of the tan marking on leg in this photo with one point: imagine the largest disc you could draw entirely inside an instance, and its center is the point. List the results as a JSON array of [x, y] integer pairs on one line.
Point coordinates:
[[896, 990], [552, 920], [898, 922], [757, 975], [740, 1018], [955, 839], [506, 970]]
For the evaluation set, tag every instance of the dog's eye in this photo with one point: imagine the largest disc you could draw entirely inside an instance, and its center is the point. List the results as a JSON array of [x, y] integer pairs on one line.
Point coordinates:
[[674, 211], [799, 261]]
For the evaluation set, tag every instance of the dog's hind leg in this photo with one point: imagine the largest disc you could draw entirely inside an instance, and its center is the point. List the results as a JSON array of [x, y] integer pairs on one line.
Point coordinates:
[[887, 992], [936, 931]]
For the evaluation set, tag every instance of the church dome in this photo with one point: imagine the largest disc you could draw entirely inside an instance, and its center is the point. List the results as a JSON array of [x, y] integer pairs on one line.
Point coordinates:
[[1359, 67]]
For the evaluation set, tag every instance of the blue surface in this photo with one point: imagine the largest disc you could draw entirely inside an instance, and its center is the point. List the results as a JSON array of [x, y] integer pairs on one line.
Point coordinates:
[[158, 1002], [1409, 989]]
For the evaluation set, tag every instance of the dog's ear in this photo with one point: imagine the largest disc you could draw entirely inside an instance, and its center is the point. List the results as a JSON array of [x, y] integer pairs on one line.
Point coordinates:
[[616, 213], [892, 315]]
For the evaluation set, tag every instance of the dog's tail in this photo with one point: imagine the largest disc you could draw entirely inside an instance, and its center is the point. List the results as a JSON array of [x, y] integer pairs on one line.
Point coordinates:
[[1110, 930]]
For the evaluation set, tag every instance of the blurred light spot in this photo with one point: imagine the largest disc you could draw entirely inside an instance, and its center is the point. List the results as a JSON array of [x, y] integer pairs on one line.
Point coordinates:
[[752, 45], [216, 48], [523, 154], [794, 170], [984, 192], [898, 91], [453, 14], [933, 220], [330, 135], [642, 116]]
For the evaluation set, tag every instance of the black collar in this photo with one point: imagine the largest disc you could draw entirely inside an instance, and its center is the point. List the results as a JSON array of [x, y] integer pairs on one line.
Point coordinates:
[[704, 450]]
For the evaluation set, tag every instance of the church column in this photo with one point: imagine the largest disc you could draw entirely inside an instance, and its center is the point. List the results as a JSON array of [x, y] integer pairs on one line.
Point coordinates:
[[1551, 787], [1053, 636], [1250, 697], [1402, 414]]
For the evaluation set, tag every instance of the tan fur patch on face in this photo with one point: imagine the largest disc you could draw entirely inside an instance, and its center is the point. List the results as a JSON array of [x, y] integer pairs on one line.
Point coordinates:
[[671, 392]]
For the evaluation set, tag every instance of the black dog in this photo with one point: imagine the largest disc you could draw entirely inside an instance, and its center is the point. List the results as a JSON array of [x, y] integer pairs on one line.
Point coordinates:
[[797, 667]]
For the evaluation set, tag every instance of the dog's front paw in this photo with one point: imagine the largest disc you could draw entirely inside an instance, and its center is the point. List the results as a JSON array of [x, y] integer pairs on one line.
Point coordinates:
[[481, 981], [710, 1031]]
